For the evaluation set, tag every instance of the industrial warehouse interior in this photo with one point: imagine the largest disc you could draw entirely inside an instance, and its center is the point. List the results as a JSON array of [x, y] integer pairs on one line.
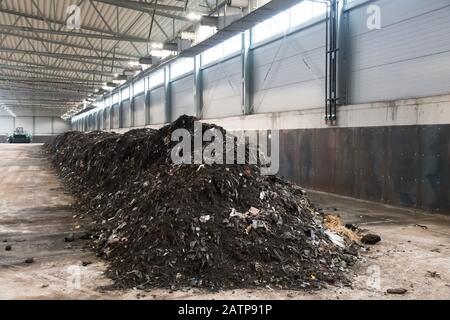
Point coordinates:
[[241, 150]]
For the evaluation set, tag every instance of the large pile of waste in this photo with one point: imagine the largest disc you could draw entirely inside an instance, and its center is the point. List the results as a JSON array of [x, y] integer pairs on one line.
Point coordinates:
[[160, 224]]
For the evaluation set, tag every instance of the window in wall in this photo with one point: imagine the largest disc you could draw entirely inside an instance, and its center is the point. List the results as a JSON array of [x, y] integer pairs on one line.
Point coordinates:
[[139, 87], [223, 49], [204, 32], [156, 79], [271, 27], [126, 93], [305, 11], [180, 67], [107, 101], [286, 20], [319, 9], [99, 104], [115, 98]]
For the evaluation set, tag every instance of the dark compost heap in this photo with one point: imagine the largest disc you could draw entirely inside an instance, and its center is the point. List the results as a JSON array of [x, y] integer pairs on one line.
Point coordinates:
[[159, 224]]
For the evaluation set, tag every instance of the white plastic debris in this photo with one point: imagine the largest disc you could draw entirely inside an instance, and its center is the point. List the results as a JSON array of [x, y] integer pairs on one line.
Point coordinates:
[[335, 238], [204, 219], [254, 211], [235, 213], [259, 224], [262, 195]]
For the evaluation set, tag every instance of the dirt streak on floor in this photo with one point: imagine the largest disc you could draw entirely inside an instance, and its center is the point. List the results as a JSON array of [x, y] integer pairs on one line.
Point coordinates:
[[35, 217]]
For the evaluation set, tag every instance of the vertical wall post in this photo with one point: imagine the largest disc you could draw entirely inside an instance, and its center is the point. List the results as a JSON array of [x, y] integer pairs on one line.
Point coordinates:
[[246, 73], [147, 101], [198, 87], [332, 50], [120, 109], [343, 58], [132, 100], [167, 92], [34, 123], [111, 114]]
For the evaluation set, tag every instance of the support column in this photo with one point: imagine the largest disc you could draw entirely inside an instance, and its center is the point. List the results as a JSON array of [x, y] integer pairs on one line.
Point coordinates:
[[120, 109], [131, 99], [34, 123], [246, 73], [111, 114], [198, 87], [147, 101], [343, 59], [167, 92]]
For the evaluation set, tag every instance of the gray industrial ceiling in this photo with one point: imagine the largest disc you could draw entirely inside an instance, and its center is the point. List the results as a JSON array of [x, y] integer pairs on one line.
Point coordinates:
[[44, 63]]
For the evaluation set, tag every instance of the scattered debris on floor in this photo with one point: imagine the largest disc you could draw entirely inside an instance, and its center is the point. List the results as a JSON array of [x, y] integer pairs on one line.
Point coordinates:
[[433, 274], [8, 248], [421, 226], [29, 260], [334, 223], [351, 226], [397, 291], [69, 238], [159, 224], [370, 239]]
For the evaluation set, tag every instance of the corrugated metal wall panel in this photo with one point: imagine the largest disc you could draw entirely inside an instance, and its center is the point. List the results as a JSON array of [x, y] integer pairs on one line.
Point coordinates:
[[115, 116], [126, 114], [408, 57], [157, 106], [289, 73], [60, 126], [43, 125], [222, 89], [107, 124], [25, 122], [182, 92], [100, 120], [139, 110], [91, 125], [6, 125]]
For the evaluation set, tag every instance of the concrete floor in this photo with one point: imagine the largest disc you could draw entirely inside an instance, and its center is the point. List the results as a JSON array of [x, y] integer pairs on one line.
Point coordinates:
[[35, 216]]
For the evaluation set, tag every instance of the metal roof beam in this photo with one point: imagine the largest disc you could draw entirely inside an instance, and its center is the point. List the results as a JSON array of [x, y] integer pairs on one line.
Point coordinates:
[[43, 80], [142, 5], [121, 37], [148, 8], [28, 70], [66, 44], [58, 84], [39, 86], [24, 64], [59, 22], [71, 57]]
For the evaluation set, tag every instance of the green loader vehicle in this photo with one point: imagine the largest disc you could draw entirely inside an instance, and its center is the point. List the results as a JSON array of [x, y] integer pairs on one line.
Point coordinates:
[[20, 136]]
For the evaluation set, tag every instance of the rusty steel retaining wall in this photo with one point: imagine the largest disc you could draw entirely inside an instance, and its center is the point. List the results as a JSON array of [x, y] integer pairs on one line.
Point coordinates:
[[397, 165]]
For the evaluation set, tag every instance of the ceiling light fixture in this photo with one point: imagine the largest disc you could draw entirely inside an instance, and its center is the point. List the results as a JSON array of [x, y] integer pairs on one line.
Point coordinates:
[[193, 16]]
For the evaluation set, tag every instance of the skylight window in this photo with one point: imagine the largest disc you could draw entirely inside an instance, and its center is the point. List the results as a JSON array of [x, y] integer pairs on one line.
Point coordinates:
[[156, 79], [180, 67], [224, 49]]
